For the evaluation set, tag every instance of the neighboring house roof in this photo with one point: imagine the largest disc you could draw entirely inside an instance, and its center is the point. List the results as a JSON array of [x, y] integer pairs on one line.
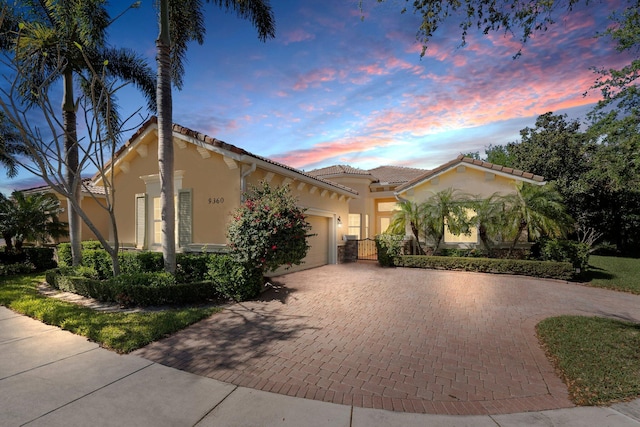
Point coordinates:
[[395, 174], [237, 153], [381, 174], [339, 170], [87, 187], [478, 164]]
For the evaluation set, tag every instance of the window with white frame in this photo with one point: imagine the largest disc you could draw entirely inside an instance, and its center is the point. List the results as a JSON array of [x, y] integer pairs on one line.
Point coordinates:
[[354, 225]]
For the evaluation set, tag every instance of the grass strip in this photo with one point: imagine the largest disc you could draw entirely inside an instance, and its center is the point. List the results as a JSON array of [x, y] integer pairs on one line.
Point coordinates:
[[620, 274], [122, 332], [599, 359]]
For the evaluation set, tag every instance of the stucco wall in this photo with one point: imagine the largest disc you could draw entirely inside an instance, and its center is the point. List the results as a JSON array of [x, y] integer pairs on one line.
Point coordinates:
[[467, 180], [215, 189]]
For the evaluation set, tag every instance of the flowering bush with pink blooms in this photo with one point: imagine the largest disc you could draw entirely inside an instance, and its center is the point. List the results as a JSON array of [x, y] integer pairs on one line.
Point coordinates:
[[269, 230]]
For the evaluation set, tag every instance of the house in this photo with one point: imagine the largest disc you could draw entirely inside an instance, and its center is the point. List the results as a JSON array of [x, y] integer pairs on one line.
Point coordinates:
[[381, 188], [210, 178], [91, 197], [370, 214]]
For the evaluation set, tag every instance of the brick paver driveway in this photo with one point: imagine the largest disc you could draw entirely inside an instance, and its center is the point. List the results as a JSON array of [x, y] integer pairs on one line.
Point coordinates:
[[400, 339]]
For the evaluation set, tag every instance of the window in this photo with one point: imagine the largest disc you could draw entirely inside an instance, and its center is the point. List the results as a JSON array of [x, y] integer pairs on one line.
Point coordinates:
[[384, 213], [384, 224], [354, 225], [462, 238], [366, 226], [386, 206], [183, 219], [157, 221]]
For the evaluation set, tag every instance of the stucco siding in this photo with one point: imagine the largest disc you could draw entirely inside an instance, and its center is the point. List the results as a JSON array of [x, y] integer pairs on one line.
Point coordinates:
[[468, 181]]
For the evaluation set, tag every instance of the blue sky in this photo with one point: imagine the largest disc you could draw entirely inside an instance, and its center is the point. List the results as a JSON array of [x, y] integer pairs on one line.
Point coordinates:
[[344, 85]]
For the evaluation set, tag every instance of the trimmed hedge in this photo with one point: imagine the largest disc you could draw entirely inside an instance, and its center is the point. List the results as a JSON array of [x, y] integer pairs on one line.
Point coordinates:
[[30, 259], [545, 269], [234, 280], [141, 289]]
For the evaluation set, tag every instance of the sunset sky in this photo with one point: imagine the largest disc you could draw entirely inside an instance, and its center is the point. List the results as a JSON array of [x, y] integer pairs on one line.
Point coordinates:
[[344, 85]]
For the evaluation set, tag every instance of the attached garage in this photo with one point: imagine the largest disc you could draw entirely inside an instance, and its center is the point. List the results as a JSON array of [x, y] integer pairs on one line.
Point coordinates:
[[318, 253]]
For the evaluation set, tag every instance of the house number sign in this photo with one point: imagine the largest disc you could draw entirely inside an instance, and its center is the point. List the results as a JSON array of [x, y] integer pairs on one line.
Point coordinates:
[[216, 200]]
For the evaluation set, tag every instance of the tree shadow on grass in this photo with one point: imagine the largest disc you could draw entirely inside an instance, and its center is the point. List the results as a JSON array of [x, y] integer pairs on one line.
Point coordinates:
[[596, 273]]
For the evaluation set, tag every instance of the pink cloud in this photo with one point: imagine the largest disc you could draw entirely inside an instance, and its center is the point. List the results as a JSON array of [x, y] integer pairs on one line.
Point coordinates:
[[315, 77], [323, 151], [297, 36]]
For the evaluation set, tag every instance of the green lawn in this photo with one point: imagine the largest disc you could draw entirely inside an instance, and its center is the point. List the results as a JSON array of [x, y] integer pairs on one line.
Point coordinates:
[[122, 332], [621, 274], [599, 359]]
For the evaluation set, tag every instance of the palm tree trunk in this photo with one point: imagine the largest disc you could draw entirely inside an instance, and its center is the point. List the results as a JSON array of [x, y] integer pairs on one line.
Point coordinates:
[[71, 163], [484, 238], [416, 234], [523, 226], [165, 140]]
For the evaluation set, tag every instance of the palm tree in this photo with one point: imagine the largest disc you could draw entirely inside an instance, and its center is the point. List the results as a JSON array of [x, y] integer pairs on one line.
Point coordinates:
[[9, 146], [63, 40], [409, 214], [180, 22], [446, 208], [30, 217], [488, 217], [538, 210]]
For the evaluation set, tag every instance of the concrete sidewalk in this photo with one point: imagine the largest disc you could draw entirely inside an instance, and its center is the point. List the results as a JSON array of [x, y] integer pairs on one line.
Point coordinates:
[[50, 377]]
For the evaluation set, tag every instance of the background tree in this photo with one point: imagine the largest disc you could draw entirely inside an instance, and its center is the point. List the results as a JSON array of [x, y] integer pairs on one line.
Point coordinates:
[[537, 209], [63, 41], [41, 134], [30, 217], [180, 22]]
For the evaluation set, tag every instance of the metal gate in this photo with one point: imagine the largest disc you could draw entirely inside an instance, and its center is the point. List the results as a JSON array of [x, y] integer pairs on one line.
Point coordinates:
[[367, 249]]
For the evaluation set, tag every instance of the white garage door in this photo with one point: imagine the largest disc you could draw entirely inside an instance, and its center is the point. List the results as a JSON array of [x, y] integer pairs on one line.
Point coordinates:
[[318, 253]]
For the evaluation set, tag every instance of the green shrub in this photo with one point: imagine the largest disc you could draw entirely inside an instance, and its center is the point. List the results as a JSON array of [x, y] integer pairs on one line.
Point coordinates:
[[86, 287], [576, 253], [18, 268], [389, 247], [159, 288], [12, 257], [269, 230], [545, 269], [89, 272], [99, 260], [129, 262], [151, 262], [64, 255], [192, 267], [41, 258], [234, 280], [460, 252], [141, 289], [91, 245]]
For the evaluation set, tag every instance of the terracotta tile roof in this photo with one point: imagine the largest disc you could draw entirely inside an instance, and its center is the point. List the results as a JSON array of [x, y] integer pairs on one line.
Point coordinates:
[[462, 159], [381, 174], [338, 170], [87, 187], [225, 146], [395, 174]]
